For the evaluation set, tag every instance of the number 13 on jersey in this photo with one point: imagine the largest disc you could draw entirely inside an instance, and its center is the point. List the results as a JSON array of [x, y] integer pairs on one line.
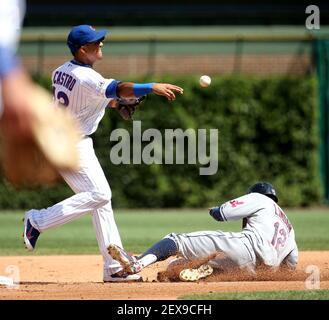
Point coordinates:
[[279, 236]]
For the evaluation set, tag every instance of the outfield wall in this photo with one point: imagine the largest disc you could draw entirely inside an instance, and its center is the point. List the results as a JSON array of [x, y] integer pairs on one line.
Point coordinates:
[[214, 50]]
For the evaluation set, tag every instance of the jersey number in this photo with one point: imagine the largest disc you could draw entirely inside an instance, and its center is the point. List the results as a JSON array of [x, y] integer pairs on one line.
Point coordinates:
[[61, 97], [276, 240]]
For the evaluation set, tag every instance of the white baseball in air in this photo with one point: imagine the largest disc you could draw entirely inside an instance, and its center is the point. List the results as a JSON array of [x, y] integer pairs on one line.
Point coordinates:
[[205, 81]]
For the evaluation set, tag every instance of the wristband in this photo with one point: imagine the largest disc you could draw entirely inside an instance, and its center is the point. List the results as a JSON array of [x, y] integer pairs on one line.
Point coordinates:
[[141, 89]]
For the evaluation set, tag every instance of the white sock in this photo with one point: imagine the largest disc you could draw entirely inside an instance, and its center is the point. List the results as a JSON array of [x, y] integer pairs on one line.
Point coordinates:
[[147, 260]]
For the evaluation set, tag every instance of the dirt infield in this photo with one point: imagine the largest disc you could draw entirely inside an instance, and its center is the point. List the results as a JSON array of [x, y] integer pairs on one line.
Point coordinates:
[[80, 277]]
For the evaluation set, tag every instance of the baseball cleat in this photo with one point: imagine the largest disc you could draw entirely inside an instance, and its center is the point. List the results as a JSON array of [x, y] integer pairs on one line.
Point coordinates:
[[196, 274], [30, 234], [129, 263], [123, 277]]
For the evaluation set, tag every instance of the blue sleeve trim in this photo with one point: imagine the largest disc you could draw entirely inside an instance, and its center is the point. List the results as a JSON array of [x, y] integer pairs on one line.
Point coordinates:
[[140, 89], [8, 61], [111, 90]]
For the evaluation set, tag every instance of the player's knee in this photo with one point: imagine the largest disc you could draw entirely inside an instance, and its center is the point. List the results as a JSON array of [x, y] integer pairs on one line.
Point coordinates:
[[101, 198]]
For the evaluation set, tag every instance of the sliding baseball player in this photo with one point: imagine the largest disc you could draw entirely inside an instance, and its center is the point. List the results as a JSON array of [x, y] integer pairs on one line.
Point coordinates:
[[267, 238]]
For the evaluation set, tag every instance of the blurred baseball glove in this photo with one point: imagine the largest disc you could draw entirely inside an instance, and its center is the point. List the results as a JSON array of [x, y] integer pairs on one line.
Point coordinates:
[[36, 159], [127, 106]]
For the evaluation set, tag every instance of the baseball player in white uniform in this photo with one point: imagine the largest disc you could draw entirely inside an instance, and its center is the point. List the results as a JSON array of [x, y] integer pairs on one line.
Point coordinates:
[[78, 87], [267, 238]]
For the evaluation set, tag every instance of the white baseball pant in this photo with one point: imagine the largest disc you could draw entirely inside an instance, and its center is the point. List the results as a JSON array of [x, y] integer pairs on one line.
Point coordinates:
[[93, 195]]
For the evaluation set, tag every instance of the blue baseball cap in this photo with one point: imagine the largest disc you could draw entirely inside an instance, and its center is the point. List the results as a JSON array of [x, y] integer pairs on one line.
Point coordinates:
[[83, 34]]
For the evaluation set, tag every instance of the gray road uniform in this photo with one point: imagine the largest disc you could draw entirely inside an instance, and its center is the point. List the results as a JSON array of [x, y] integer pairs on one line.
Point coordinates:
[[267, 237]]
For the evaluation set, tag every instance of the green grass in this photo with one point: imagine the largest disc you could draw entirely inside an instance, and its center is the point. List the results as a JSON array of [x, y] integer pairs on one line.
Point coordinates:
[[265, 295], [141, 228], [311, 229]]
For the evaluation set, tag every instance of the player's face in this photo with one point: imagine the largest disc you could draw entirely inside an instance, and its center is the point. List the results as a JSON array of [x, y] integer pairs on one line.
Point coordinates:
[[93, 51]]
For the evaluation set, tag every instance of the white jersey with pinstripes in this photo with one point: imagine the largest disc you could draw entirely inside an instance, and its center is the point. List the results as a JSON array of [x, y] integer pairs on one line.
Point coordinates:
[[82, 90]]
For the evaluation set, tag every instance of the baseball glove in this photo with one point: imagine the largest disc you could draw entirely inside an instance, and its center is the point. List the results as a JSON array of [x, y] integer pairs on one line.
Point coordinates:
[[127, 106]]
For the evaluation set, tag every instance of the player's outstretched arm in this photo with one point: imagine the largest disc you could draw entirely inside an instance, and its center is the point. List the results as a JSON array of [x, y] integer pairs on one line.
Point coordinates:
[[135, 90], [130, 95]]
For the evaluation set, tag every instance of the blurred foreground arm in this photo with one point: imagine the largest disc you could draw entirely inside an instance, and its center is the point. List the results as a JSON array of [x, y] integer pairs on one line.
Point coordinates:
[[37, 139]]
